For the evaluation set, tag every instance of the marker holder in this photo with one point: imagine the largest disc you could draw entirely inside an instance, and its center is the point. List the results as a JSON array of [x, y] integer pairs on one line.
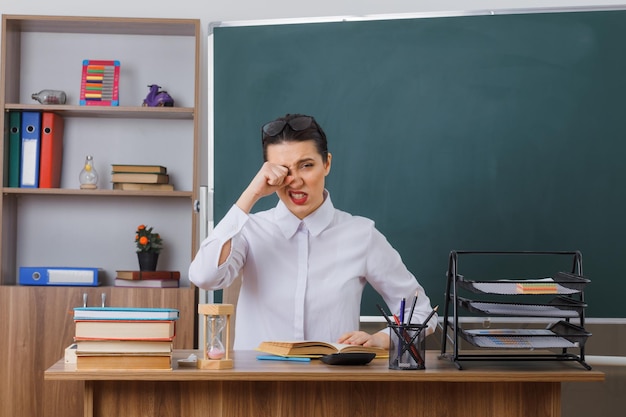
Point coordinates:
[[407, 346]]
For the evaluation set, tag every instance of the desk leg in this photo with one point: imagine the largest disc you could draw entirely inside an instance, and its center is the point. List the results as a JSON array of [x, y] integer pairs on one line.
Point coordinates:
[[88, 399]]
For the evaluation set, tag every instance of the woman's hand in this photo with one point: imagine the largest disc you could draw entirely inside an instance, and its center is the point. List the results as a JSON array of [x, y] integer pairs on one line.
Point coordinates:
[[380, 339], [270, 178]]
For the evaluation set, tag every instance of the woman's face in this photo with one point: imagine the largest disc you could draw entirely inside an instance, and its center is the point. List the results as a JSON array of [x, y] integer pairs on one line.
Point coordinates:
[[305, 193]]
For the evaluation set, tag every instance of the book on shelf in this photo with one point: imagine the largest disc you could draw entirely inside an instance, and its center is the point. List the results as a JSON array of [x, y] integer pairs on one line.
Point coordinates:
[[136, 362], [141, 275], [148, 169], [310, 348], [163, 330], [140, 178], [147, 283], [123, 347], [130, 186], [125, 313]]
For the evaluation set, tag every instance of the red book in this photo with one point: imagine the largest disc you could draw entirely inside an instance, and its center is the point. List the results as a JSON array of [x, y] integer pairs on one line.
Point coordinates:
[[141, 275], [51, 158]]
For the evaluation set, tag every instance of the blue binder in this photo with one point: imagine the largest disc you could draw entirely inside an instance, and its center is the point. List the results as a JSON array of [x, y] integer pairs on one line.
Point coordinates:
[[31, 144], [50, 275]]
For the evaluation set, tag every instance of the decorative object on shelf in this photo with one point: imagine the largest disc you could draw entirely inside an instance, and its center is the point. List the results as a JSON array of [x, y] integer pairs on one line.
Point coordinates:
[[88, 176], [157, 97], [216, 331], [100, 83], [50, 97], [149, 245]]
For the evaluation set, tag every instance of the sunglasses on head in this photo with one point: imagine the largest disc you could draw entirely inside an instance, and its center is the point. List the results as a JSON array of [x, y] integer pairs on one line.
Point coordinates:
[[277, 126]]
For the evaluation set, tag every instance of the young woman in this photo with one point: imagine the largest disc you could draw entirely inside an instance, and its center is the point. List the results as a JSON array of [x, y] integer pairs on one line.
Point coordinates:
[[304, 264]]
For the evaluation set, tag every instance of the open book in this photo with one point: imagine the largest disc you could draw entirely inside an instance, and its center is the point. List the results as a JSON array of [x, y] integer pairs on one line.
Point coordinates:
[[313, 349]]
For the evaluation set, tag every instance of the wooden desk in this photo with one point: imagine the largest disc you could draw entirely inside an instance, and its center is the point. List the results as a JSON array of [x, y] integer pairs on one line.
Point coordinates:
[[269, 388]]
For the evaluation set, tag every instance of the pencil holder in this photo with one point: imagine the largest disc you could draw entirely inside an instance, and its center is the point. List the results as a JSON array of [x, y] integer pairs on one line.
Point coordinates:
[[407, 346]]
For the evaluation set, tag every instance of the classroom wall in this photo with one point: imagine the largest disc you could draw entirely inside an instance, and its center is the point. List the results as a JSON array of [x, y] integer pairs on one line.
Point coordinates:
[[232, 10]]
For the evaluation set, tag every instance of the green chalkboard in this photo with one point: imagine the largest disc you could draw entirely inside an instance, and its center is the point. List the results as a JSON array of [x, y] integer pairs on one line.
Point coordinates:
[[487, 132]]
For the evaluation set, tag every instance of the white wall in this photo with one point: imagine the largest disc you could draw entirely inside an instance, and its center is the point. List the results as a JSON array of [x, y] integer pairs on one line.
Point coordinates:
[[229, 10]]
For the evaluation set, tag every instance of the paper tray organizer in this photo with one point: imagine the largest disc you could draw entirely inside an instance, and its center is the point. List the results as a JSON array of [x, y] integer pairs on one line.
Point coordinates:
[[561, 283], [559, 296], [558, 335], [558, 307]]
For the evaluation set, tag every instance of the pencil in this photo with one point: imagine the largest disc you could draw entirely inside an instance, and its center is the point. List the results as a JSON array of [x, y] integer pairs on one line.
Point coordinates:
[[430, 316], [412, 308]]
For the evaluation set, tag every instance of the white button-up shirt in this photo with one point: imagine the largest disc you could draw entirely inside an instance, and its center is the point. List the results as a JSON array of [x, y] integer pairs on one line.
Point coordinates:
[[303, 279]]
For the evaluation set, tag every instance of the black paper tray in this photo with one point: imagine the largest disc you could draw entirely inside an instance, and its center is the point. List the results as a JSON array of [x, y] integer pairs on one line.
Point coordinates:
[[559, 335], [558, 307], [566, 284]]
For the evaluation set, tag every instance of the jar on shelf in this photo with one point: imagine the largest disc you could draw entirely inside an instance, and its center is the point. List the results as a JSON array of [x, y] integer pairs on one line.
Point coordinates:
[[50, 97], [88, 177]]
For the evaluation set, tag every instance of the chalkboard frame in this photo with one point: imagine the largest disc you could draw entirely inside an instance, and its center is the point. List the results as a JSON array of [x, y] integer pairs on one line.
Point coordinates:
[[601, 294]]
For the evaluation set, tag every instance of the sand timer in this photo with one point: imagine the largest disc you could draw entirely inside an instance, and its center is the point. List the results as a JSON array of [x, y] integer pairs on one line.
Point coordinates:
[[216, 327]]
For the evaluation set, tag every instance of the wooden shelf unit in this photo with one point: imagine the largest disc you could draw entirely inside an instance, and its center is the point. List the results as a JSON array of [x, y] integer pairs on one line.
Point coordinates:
[[35, 319], [18, 78]]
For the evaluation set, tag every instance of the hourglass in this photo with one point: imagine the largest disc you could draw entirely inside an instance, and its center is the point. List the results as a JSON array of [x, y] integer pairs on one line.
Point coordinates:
[[216, 322]]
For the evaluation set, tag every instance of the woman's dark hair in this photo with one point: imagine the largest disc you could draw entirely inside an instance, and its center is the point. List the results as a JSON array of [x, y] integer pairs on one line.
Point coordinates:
[[294, 128]]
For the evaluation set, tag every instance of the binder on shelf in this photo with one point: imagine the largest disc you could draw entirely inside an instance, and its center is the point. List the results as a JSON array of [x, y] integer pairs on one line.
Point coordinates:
[[51, 157], [70, 276], [31, 141], [15, 148]]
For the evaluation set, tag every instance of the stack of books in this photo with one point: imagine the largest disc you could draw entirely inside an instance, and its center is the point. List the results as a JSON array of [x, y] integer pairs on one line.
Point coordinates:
[[149, 279], [124, 337], [140, 178]]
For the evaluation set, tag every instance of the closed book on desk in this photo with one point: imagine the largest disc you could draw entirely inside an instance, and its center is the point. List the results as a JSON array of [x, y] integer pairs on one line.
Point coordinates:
[[15, 148], [139, 178], [125, 313], [163, 330], [51, 158], [310, 348], [123, 347], [31, 145], [135, 362]]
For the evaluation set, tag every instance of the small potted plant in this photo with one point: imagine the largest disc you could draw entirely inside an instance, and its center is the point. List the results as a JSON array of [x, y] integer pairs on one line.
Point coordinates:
[[149, 245]]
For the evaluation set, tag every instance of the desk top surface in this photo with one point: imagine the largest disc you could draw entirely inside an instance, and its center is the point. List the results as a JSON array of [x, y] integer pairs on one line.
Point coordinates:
[[248, 368]]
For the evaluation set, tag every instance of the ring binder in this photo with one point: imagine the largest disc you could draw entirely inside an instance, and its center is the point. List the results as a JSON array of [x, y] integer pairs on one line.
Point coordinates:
[[59, 276]]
